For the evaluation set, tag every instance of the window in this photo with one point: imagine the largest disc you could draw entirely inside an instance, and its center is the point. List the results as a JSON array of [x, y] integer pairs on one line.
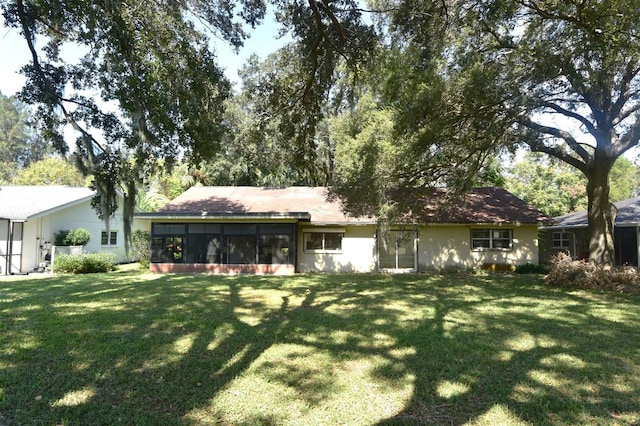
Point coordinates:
[[561, 240], [323, 241], [491, 239], [110, 239], [223, 243], [167, 242]]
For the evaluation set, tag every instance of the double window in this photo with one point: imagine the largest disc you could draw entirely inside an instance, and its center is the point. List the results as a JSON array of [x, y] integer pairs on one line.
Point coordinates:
[[561, 240], [492, 239], [109, 238], [323, 241]]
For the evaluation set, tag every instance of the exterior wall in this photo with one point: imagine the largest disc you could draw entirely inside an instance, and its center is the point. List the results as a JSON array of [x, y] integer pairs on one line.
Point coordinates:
[[578, 247], [358, 252], [626, 244], [39, 233], [439, 247], [442, 247]]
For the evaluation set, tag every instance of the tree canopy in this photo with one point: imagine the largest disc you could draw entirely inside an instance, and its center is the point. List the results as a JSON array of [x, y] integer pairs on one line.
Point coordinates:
[[19, 145], [452, 84], [148, 86], [469, 79], [50, 171]]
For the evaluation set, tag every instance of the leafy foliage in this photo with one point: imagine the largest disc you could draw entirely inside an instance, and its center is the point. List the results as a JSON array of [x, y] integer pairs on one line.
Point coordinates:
[[49, 171], [365, 156], [19, 146], [87, 263], [470, 79], [74, 237], [625, 180], [147, 87], [530, 268], [556, 188], [141, 247]]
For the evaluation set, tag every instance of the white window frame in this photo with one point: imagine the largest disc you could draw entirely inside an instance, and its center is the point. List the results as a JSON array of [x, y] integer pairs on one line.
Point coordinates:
[[109, 238], [564, 239], [306, 235], [493, 237]]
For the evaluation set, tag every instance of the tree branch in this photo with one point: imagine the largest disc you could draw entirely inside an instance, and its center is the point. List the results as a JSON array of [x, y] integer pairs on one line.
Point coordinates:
[[51, 95], [626, 114], [557, 108], [629, 139], [624, 95], [566, 136]]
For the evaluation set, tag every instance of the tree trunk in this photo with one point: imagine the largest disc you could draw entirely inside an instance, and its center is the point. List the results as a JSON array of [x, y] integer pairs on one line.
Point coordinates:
[[601, 215]]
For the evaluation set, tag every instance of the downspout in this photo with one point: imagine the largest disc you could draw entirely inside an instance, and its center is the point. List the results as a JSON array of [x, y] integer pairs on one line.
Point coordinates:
[[10, 248], [638, 245], [6, 271], [415, 252], [377, 248], [39, 242]]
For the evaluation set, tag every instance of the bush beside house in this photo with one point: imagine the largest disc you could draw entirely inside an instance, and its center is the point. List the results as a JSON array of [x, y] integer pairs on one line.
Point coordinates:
[[84, 263], [141, 247], [74, 237]]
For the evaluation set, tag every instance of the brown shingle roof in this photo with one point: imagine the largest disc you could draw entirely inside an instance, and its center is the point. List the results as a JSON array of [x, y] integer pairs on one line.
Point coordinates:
[[247, 201], [480, 205]]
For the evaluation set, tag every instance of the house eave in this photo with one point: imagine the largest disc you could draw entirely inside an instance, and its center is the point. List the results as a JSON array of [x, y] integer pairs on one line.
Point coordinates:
[[224, 216], [584, 225]]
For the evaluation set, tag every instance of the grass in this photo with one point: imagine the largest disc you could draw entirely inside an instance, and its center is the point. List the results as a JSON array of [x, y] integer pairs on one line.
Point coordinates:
[[132, 348]]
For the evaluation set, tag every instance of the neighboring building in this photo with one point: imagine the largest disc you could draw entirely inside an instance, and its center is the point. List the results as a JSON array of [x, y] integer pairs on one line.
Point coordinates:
[[296, 229], [571, 234], [30, 216]]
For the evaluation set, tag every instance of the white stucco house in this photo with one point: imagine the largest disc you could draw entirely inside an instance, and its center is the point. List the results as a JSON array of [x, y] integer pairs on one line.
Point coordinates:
[[296, 229], [30, 216]]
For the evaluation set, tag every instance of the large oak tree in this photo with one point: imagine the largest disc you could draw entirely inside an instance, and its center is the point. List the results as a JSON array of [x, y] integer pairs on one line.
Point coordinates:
[[147, 85], [561, 76]]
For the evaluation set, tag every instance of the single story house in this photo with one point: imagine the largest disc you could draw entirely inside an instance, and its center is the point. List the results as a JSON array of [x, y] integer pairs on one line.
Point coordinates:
[[570, 234], [297, 229], [30, 216]]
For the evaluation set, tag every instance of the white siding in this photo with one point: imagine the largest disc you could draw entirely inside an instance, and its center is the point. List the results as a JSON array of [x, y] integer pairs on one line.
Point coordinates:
[[42, 229]]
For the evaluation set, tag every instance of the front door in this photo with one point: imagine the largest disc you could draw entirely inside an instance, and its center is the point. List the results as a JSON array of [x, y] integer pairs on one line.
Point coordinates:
[[397, 250]]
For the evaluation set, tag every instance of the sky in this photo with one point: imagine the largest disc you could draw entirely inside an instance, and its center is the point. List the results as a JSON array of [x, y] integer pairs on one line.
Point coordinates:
[[14, 53]]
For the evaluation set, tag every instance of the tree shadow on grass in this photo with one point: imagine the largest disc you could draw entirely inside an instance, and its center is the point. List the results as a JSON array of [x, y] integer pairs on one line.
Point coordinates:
[[175, 350], [531, 360]]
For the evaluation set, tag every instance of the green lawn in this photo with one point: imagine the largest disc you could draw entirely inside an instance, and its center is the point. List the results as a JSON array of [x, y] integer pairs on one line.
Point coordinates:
[[137, 348]]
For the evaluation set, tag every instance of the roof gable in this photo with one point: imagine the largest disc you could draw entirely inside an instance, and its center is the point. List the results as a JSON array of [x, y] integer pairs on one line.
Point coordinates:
[[25, 202]]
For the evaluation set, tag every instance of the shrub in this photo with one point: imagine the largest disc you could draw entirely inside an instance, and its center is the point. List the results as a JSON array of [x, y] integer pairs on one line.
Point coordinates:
[[566, 272], [84, 263], [530, 268], [74, 237], [141, 247]]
